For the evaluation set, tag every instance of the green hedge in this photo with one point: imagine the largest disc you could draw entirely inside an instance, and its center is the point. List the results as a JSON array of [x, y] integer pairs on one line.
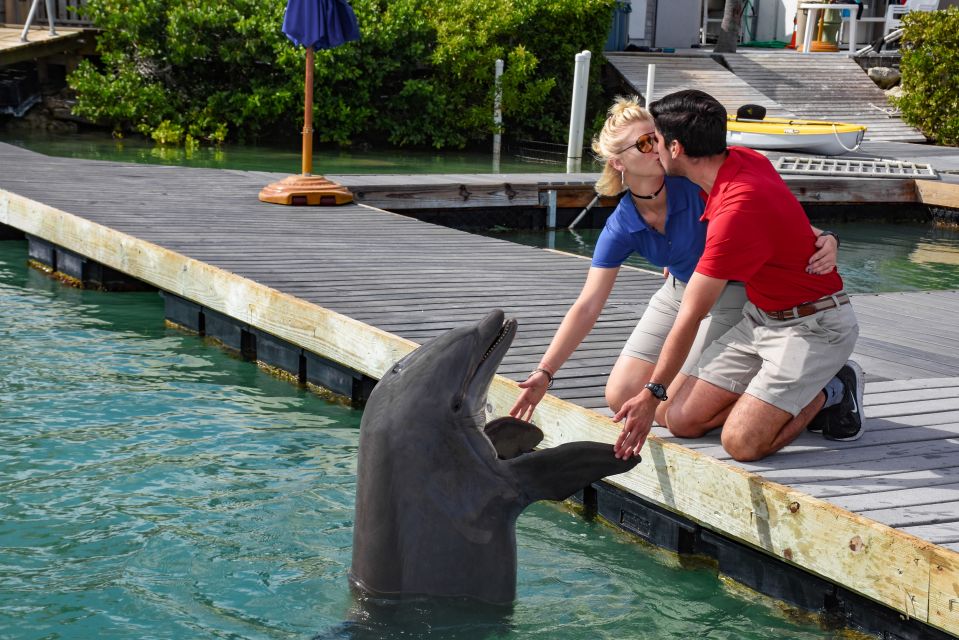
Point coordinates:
[[422, 73], [930, 74]]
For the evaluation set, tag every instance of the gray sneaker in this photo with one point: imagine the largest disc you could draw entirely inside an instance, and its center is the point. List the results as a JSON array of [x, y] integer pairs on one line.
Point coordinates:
[[845, 424]]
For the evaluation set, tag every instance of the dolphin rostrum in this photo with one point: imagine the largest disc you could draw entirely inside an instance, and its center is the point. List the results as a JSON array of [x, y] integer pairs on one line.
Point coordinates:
[[438, 493]]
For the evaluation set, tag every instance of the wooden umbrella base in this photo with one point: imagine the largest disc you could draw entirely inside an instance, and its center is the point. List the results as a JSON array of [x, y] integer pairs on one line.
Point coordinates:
[[306, 190]]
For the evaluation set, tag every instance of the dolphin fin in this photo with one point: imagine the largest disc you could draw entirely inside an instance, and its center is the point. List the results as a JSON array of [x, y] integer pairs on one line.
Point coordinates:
[[559, 472], [512, 436]]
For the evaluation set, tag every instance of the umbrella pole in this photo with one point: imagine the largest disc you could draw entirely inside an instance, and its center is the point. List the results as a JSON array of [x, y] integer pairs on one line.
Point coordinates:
[[306, 188], [308, 116]]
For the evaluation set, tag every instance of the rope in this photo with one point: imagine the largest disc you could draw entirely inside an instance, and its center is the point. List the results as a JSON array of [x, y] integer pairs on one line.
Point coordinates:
[[835, 131]]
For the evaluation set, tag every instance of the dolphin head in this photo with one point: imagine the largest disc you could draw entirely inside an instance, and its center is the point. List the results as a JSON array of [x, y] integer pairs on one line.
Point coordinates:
[[451, 373]]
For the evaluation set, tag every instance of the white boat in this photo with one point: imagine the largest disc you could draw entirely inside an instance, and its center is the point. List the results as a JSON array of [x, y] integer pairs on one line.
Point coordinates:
[[784, 134]]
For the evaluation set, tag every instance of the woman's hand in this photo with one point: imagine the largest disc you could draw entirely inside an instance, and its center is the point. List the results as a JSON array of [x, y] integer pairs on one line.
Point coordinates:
[[826, 256], [534, 388]]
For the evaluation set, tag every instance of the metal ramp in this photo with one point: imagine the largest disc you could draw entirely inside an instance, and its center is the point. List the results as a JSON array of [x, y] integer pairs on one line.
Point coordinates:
[[855, 167]]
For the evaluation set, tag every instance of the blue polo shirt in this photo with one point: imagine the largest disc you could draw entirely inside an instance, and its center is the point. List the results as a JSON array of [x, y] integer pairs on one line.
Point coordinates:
[[678, 249]]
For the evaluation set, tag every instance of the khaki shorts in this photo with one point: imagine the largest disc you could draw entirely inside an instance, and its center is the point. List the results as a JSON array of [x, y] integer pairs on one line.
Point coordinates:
[[646, 342], [782, 362]]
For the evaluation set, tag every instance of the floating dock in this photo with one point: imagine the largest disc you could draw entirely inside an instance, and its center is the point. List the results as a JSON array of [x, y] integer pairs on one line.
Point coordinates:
[[867, 530]]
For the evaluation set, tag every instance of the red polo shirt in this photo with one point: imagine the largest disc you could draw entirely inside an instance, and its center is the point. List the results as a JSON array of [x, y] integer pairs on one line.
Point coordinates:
[[759, 234]]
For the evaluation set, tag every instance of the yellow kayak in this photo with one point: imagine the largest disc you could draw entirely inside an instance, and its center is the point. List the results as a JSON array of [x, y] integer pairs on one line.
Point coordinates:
[[781, 134]]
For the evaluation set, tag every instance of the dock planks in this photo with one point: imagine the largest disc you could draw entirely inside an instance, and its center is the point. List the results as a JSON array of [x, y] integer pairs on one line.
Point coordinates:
[[813, 87], [203, 235]]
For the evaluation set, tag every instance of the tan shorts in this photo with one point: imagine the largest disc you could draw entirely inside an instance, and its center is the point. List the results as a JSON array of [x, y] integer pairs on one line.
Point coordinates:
[[646, 342], [782, 362]]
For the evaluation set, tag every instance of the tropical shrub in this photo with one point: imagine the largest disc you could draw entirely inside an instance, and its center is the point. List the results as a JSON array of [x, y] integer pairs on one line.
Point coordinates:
[[421, 74], [930, 81]]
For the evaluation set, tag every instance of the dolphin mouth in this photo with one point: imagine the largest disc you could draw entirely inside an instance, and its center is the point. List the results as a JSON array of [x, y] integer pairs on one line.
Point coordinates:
[[507, 330], [498, 333]]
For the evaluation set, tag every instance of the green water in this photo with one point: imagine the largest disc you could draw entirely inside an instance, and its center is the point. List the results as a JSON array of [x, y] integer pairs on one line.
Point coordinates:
[[283, 159], [153, 487], [874, 257]]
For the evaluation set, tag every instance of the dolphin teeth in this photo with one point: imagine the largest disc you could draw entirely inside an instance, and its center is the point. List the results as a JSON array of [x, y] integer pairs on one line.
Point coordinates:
[[499, 339]]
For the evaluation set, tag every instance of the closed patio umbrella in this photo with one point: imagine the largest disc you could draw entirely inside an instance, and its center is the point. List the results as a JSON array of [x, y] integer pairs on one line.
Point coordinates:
[[314, 24]]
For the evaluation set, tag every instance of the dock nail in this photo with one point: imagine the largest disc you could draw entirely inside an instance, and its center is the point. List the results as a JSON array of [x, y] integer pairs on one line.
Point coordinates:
[[793, 507]]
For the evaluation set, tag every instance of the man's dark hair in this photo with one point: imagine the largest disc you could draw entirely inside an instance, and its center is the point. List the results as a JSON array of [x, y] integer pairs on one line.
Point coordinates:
[[694, 118]]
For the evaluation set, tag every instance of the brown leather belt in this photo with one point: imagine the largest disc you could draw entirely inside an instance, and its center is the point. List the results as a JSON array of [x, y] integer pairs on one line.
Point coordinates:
[[809, 308]]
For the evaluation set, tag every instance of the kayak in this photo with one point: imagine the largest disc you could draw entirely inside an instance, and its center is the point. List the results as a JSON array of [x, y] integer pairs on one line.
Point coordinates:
[[781, 134]]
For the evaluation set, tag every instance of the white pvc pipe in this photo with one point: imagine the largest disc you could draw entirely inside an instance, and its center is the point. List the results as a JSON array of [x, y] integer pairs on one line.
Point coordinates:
[[650, 83], [577, 116], [50, 12], [26, 25], [551, 209], [497, 110]]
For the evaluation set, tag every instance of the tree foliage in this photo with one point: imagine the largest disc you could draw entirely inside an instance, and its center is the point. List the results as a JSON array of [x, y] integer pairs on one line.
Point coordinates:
[[930, 82], [422, 73]]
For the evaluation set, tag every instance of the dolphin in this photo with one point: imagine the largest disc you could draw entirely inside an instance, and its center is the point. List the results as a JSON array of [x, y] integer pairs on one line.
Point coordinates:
[[438, 492]]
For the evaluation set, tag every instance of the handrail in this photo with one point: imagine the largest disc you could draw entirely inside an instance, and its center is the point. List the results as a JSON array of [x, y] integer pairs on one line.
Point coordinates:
[[57, 11]]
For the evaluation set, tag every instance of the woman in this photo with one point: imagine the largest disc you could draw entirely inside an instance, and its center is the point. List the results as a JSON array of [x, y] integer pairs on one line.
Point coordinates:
[[658, 217]]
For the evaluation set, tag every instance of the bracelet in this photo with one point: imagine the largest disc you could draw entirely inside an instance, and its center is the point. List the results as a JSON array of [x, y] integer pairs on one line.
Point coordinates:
[[549, 376], [833, 234]]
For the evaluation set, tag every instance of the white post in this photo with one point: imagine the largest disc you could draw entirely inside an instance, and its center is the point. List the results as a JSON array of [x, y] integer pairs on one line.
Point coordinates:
[[551, 209], [497, 115], [574, 150], [650, 83]]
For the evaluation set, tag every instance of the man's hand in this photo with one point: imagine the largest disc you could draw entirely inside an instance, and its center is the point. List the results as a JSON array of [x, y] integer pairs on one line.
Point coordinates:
[[639, 412], [826, 256]]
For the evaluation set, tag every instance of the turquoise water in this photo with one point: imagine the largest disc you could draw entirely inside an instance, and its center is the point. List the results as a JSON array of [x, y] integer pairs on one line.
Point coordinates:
[[874, 257], [152, 486]]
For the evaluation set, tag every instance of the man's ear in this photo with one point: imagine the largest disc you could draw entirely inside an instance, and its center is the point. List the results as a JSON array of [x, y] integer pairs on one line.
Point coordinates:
[[676, 149]]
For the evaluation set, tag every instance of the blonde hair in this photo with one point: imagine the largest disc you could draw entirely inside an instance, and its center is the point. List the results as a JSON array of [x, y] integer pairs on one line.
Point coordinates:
[[611, 140]]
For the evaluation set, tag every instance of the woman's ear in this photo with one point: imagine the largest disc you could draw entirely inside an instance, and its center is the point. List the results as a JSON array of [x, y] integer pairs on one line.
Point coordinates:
[[616, 164]]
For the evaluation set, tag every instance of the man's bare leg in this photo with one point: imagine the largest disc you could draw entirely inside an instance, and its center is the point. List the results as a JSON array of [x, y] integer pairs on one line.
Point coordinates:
[[753, 429], [698, 407], [756, 429]]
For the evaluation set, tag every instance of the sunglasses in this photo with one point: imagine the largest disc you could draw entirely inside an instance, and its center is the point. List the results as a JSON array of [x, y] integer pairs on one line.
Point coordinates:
[[644, 143]]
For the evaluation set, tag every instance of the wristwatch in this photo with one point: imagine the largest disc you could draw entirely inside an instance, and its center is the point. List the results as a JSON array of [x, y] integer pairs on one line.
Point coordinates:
[[833, 234], [657, 390]]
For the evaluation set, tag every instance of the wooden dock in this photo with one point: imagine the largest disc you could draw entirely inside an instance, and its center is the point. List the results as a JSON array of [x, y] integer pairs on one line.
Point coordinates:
[[360, 286], [814, 87], [40, 44]]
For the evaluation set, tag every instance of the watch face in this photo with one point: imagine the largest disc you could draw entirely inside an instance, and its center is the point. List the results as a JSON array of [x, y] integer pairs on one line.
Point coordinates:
[[657, 390]]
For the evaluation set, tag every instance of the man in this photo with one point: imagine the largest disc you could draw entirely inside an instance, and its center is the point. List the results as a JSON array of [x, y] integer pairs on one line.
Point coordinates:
[[774, 373]]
